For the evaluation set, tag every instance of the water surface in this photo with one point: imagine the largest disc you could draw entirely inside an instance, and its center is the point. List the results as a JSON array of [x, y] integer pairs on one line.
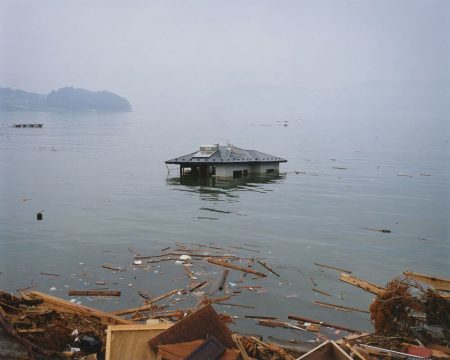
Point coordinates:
[[103, 185]]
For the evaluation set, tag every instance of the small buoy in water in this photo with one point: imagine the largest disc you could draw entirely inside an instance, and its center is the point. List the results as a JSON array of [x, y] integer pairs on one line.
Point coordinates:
[[39, 216]]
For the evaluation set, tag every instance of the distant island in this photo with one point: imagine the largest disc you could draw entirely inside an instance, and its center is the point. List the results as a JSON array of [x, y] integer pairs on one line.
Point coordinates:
[[64, 99]]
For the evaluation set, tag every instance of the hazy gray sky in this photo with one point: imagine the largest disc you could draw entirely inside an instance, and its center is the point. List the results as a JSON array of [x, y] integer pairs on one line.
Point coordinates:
[[145, 48]]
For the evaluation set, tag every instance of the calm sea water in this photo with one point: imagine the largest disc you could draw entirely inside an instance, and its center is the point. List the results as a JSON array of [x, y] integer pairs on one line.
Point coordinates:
[[103, 184]]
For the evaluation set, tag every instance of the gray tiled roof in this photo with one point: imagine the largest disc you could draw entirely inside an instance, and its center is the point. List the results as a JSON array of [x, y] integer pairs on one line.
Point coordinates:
[[226, 154]]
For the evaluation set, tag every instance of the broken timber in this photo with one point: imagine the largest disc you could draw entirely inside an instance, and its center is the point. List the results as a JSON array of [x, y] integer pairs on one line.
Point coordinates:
[[93, 293], [262, 263], [149, 306], [339, 307], [323, 323], [236, 267], [365, 285], [66, 306], [333, 267], [441, 284]]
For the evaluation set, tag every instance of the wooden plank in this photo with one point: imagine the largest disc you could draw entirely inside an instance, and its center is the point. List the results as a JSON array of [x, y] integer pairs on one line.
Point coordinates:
[[93, 293], [333, 267], [130, 342], [237, 340], [437, 282], [149, 306], [323, 323], [362, 284], [262, 263], [328, 350], [320, 292], [68, 307], [339, 307], [236, 267]]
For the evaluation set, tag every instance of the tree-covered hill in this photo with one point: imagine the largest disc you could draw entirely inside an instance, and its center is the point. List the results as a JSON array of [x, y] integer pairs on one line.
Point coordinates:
[[64, 99]]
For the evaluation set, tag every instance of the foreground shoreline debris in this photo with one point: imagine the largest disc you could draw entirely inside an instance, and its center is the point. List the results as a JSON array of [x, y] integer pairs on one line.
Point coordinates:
[[409, 317]]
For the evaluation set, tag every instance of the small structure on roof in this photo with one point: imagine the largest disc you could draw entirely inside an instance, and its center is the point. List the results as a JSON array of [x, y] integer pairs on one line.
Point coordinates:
[[226, 162]]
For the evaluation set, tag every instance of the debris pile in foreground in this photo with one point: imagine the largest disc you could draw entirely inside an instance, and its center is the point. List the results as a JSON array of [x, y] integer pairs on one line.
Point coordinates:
[[411, 320]]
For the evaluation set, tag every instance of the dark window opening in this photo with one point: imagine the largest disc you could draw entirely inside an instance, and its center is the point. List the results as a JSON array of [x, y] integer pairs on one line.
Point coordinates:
[[237, 173], [270, 171], [245, 172]]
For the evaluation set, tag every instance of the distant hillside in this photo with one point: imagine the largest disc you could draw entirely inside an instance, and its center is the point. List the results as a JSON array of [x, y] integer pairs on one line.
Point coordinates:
[[68, 98]]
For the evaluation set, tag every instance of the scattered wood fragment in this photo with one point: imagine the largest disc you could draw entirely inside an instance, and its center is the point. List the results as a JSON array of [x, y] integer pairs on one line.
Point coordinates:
[[198, 286], [386, 231], [235, 267], [31, 331], [321, 292], [237, 341], [312, 281], [177, 255], [262, 263], [333, 267], [355, 350], [365, 285], [65, 306], [323, 323], [236, 305], [438, 283], [165, 249], [149, 306], [94, 293], [260, 317], [31, 348], [340, 307], [49, 274], [111, 267], [283, 324]]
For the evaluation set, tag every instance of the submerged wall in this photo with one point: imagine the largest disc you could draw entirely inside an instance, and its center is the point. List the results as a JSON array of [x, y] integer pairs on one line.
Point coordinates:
[[228, 170]]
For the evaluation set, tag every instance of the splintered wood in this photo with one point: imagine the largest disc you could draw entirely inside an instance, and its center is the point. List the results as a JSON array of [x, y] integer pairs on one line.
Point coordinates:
[[236, 267], [438, 283], [365, 285]]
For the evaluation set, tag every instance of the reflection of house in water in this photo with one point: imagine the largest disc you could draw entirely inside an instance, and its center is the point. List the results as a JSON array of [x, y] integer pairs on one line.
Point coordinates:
[[226, 162], [223, 189]]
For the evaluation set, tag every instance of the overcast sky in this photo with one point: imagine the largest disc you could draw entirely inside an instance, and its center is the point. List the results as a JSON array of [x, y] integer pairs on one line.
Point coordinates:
[[140, 48]]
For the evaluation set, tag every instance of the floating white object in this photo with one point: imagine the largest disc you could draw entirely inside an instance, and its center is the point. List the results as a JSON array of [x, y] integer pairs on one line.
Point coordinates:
[[185, 257], [137, 262], [52, 288]]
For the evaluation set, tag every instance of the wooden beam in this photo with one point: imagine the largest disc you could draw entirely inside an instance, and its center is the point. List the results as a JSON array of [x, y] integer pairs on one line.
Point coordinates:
[[339, 307], [436, 282], [93, 293], [362, 284], [236, 267], [262, 263], [58, 304], [149, 306], [333, 267], [323, 323]]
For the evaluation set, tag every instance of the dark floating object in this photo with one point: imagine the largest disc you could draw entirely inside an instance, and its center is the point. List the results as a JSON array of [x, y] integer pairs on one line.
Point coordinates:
[[39, 216], [386, 231], [28, 125]]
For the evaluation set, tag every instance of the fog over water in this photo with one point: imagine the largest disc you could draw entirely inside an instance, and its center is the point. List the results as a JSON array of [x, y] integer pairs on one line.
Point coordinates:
[[363, 87]]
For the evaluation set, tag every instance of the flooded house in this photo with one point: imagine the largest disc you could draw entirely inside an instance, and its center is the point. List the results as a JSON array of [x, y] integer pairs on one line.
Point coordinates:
[[226, 162]]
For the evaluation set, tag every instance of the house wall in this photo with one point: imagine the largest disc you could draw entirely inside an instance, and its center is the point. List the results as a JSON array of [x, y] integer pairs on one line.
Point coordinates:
[[262, 168], [226, 170]]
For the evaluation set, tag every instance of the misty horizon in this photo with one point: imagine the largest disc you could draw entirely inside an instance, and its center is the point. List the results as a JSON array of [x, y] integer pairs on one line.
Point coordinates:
[[156, 52]]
